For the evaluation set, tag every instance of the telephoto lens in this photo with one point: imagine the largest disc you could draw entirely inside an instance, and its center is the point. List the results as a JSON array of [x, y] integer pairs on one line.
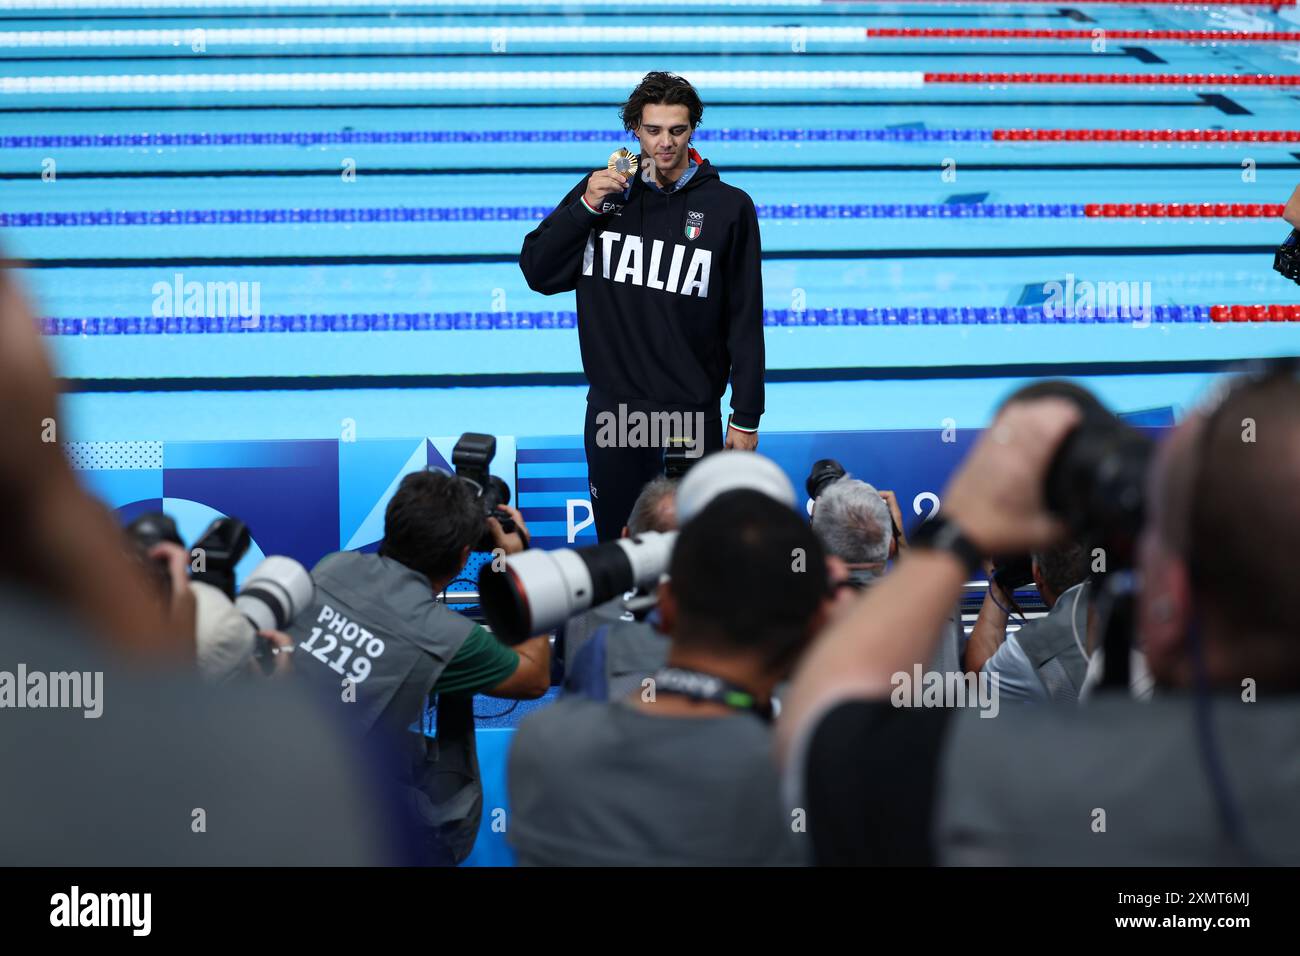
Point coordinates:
[[535, 591], [538, 590], [277, 590]]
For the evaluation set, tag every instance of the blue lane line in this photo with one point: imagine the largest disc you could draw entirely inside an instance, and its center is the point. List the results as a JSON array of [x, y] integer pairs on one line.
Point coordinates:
[[484, 136], [401, 214], [484, 321]]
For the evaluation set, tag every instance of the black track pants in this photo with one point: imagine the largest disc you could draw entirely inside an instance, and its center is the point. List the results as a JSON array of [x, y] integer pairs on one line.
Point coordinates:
[[616, 474]]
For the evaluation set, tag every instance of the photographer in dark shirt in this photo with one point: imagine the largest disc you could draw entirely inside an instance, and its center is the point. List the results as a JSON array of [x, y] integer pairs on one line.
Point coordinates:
[[1120, 782]]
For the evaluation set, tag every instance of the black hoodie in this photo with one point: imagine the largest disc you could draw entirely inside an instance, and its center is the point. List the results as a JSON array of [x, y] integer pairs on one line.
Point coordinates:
[[670, 293]]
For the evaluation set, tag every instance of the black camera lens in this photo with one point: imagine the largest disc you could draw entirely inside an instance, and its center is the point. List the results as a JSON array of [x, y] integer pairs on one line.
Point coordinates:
[[1097, 485], [1287, 259], [823, 473]]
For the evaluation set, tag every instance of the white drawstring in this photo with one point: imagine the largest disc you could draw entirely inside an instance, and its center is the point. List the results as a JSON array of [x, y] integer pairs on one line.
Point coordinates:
[[1074, 622]]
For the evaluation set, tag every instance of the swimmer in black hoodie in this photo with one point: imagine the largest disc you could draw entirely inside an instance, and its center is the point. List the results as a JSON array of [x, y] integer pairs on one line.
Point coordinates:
[[666, 265]]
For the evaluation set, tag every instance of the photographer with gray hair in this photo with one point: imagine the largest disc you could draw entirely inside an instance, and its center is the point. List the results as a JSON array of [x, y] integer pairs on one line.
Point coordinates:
[[853, 521], [862, 528]]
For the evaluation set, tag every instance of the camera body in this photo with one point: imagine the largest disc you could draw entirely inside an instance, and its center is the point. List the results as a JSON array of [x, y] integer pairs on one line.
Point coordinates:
[[472, 459], [1287, 258], [277, 589], [824, 472], [676, 460], [146, 531], [223, 545], [1011, 574], [1096, 483]]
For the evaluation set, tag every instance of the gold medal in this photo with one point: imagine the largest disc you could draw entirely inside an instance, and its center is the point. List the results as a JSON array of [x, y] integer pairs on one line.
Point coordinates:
[[622, 161]]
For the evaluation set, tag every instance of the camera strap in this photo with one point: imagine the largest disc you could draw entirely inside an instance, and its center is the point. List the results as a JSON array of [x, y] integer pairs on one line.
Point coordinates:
[[698, 685]]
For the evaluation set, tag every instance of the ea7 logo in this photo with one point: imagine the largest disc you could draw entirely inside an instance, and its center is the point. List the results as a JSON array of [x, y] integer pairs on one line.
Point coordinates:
[[613, 207], [694, 224]]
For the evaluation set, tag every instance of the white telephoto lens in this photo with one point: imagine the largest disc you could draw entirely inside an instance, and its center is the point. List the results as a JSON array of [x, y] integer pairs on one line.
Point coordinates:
[[648, 553], [556, 585]]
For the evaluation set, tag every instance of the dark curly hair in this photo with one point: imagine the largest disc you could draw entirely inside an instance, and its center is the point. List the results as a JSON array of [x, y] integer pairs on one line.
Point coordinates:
[[430, 521], [663, 89], [757, 601]]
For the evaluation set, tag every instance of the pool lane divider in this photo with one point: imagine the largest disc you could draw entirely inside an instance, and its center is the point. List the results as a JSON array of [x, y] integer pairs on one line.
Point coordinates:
[[482, 11], [820, 135], [465, 80], [594, 79], [1149, 36], [871, 168], [1117, 79], [984, 251], [342, 7], [1146, 135], [1190, 4], [593, 35], [540, 320], [1215, 101], [768, 211]]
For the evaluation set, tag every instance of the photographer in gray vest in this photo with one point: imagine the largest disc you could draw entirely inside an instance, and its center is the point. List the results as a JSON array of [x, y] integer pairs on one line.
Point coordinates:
[[382, 645], [1047, 658], [1202, 773], [612, 648]]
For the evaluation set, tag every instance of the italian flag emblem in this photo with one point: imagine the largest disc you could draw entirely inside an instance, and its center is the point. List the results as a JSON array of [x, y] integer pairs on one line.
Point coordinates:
[[694, 224]]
